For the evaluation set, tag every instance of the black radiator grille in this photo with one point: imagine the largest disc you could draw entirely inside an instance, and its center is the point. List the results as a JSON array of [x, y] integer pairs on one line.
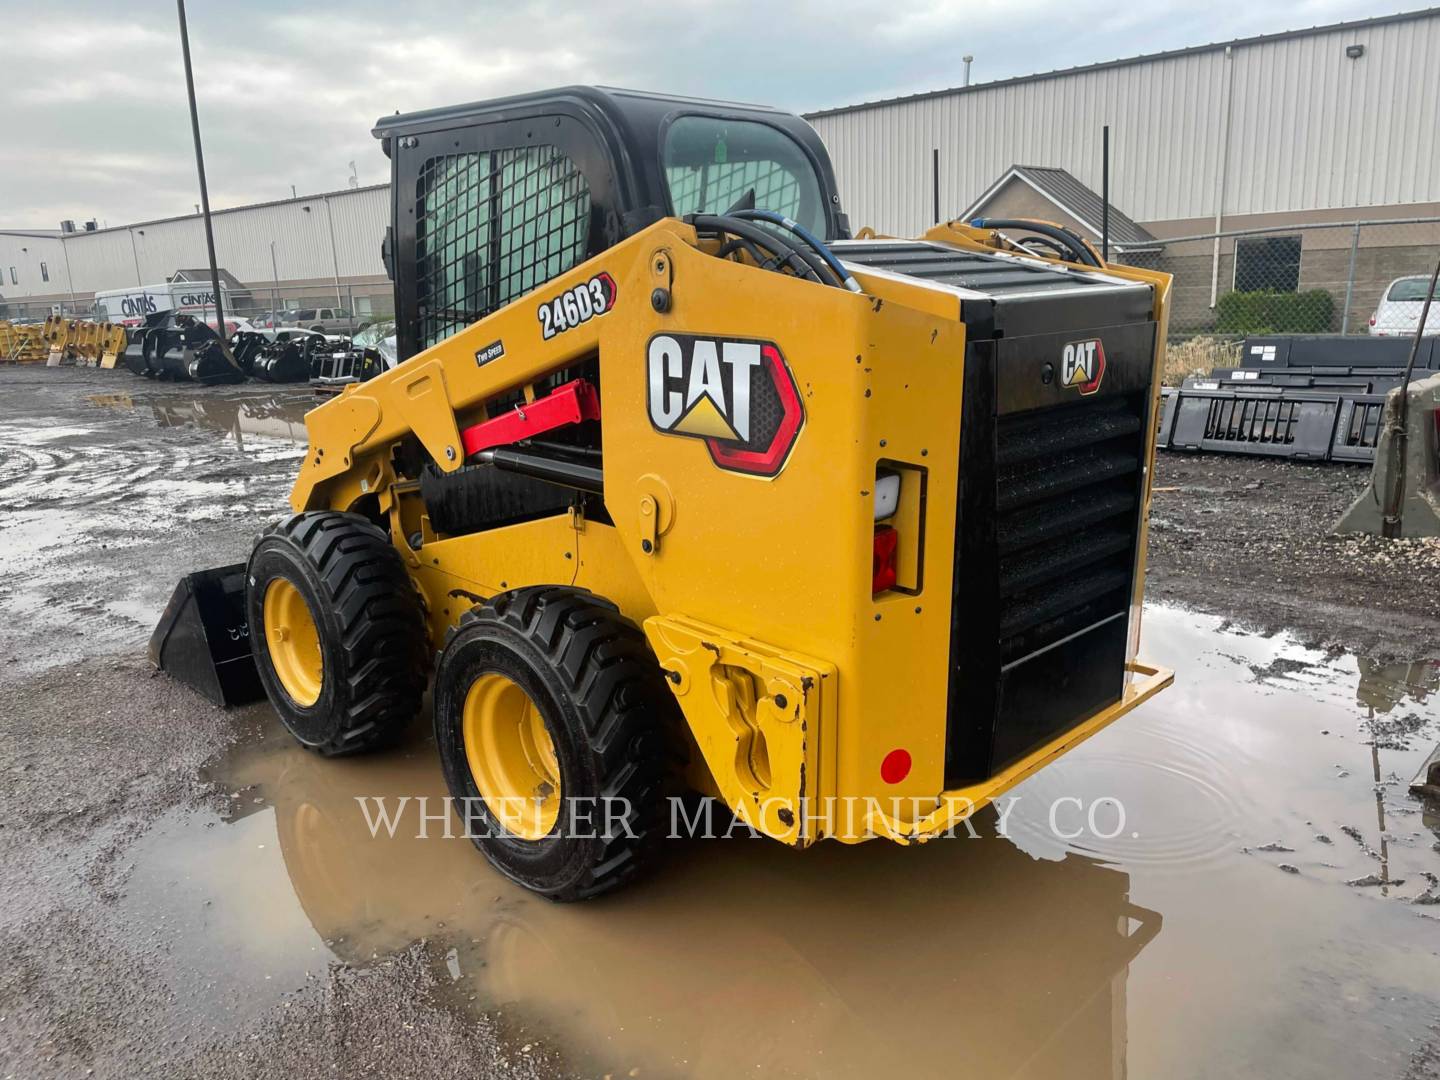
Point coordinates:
[[1047, 530], [1067, 496]]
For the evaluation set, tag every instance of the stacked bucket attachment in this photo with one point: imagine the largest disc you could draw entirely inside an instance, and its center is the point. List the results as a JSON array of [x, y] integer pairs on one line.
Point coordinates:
[[284, 361], [336, 365], [1310, 398], [180, 348]]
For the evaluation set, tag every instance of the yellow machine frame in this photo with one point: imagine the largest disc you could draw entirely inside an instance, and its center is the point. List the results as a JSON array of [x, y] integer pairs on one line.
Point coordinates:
[[797, 683]]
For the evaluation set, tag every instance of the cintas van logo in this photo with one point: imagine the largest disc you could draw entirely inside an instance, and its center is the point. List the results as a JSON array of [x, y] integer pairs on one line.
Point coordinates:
[[1082, 365], [737, 395], [138, 305]]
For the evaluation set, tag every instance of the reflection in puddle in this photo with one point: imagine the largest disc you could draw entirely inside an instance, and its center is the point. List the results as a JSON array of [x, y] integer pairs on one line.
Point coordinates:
[[1025, 955], [263, 416], [739, 953]]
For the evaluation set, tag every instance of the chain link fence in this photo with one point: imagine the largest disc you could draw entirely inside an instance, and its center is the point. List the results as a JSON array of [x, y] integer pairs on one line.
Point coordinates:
[[343, 309], [1360, 278]]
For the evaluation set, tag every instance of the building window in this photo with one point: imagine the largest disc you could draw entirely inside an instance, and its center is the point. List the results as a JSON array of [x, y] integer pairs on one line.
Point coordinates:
[[44, 272], [14, 279], [1267, 262]]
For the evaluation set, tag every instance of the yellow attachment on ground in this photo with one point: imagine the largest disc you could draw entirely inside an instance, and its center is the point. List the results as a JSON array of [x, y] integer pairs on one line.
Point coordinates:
[[58, 337], [294, 642], [511, 756], [113, 341], [23, 343], [85, 343]]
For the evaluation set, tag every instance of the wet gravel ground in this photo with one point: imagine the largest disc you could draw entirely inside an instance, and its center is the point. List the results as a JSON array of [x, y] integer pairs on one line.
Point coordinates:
[[1249, 539], [93, 753], [103, 507], [95, 747]]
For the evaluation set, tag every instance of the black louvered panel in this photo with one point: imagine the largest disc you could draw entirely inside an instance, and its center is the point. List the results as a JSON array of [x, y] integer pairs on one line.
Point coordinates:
[[1052, 465], [1046, 542]]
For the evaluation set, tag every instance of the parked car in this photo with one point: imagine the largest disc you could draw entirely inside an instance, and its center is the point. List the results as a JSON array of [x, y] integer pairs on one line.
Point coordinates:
[[1398, 313], [322, 320]]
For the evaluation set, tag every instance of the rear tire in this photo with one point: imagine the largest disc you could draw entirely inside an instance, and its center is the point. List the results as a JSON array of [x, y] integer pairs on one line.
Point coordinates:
[[337, 631], [590, 675]]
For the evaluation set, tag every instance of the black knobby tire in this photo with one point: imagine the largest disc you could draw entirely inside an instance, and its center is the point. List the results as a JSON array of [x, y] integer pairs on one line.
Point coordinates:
[[606, 707], [370, 625]]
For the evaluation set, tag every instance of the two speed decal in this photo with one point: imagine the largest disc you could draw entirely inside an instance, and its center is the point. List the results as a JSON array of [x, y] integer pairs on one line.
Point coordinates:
[[576, 305]]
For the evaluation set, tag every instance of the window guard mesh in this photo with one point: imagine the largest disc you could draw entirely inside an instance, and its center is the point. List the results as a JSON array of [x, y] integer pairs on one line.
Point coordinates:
[[715, 188], [489, 227]]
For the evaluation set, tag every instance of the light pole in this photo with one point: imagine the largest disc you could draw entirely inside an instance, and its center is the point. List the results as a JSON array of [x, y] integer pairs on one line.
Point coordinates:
[[200, 169]]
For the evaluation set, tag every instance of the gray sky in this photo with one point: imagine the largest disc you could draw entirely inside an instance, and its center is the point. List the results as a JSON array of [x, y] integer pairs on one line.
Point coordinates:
[[95, 95]]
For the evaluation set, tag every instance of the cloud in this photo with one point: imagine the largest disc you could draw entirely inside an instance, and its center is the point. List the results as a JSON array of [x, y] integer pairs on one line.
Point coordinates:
[[288, 94]]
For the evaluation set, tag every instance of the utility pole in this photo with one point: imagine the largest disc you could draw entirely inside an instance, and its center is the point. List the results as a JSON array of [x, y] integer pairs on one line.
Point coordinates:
[[1105, 194], [200, 169], [275, 293]]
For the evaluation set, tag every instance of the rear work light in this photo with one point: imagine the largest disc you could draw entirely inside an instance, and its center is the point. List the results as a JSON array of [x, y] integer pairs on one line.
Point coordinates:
[[887, 493], [887, 544]]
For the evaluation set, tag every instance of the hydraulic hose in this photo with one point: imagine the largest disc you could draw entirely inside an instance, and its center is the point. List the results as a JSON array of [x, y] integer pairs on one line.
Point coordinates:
[[818, 246], [811, 267], [1063, 236], [738, 244]]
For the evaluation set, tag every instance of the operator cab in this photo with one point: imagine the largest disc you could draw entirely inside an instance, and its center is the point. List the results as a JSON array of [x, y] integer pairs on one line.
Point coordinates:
[[492, 199]]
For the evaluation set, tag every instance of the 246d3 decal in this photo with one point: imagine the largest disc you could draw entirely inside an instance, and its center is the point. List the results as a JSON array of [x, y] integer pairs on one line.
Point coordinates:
[[577, 304], [738, 396]]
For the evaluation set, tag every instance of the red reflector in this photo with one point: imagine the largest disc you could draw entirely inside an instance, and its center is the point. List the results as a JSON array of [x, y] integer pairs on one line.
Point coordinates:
[[895, 767], [882, 573]]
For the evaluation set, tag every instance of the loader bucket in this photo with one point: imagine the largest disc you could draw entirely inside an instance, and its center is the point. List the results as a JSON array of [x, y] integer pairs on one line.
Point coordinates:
[[203, 638]]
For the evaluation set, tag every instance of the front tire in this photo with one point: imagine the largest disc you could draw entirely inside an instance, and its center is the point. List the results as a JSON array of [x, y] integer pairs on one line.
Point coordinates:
[[550, 711], [337, 631]]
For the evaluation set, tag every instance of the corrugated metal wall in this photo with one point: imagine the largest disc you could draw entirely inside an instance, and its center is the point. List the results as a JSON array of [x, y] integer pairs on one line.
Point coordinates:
[[23, 255], [1309, 129], [149, 253]]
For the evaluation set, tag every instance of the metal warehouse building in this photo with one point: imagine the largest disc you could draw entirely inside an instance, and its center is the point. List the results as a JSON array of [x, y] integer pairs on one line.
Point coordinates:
[[323, 245], [1305, 162], [1335, 124]]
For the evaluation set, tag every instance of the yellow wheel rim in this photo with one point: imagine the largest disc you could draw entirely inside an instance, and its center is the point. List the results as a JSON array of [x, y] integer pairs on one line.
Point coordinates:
[[294, 642], [511, 756]]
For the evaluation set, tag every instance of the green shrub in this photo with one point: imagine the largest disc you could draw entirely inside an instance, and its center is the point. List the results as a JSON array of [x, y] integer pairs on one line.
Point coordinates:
[[1266, 311]]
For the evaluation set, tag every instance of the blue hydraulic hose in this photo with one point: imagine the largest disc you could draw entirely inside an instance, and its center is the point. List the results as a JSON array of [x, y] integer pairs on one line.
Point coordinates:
[[846, 278]]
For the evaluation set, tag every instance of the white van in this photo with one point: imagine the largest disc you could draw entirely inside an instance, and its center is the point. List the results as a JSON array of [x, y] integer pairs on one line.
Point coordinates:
[[129, 307]]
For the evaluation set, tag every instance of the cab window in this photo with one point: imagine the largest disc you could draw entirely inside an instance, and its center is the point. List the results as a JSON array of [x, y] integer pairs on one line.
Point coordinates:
[[711, 163]]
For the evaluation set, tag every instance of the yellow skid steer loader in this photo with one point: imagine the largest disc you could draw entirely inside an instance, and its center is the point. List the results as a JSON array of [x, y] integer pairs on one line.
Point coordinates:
[[679, 487]]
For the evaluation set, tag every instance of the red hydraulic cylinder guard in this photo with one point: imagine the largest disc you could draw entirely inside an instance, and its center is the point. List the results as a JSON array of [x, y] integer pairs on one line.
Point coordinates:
[[568, 404]]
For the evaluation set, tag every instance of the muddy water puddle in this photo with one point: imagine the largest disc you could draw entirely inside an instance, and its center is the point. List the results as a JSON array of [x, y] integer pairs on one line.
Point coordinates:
[[1253, 913], [115, 493]]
